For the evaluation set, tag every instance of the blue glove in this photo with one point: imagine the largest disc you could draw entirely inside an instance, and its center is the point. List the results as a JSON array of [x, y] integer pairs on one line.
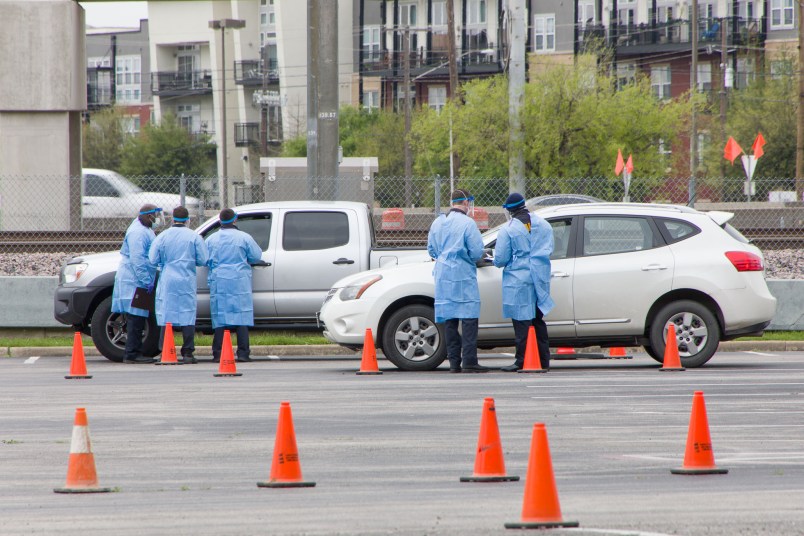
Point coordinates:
[[151, 287]]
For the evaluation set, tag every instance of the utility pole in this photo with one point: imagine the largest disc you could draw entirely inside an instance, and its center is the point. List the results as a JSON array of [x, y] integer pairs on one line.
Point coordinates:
[[113, 88], [800, 122], [322, 97], [454, 95], [724, 58], [406, 84], [516, 96], [693, 92]]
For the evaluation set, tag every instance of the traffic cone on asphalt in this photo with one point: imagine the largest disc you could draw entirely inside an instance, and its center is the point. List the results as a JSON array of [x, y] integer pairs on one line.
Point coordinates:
[[489, 464], [540, 508], [168, 348], [81, 476], [285, 467], [227, 366], [368, 364], [532, 361], [618, 352], [698, 457], [671, 360], [78, 365], [564, 353]]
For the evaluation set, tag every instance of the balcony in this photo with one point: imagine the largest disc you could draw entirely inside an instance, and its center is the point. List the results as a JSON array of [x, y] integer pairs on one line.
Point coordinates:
[[676, 34], [178, 84], [256, 72], [99, 88], [431, 63], [247, 134]]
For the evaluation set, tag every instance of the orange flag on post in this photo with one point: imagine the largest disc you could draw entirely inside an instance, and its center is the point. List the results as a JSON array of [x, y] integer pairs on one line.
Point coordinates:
[[759, 142], [629, 166], [732, 150], [618, 167]]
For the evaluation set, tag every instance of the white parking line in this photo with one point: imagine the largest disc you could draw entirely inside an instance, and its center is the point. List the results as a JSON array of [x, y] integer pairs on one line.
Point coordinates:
[[273, 358], [615, 532], [760, 353], [31, 360], [651, 396]]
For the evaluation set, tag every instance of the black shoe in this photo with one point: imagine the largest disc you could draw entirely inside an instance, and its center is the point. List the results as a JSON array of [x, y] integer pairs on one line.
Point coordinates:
[[216, 359], [140, 361], [511, 368], [455, 369], [475, 368], [244, 359], [189, 360]]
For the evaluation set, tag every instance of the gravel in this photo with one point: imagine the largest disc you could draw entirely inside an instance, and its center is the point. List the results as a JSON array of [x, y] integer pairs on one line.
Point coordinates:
[[779, 263]]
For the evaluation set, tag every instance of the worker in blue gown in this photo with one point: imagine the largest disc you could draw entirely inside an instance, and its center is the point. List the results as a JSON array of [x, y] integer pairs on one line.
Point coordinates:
[[454, 242], [135, 271], [177, 252], [231, 254]]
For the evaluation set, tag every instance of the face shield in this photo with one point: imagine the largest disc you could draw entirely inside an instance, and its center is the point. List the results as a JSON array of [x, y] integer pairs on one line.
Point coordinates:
[[157, 218], [470, 208]]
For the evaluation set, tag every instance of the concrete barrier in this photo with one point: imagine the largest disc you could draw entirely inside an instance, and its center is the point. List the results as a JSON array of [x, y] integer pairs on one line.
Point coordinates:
[[28, 303]]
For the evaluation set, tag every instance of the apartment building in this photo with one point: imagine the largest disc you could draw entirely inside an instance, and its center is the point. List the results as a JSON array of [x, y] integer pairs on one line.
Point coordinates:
[[119, 73]]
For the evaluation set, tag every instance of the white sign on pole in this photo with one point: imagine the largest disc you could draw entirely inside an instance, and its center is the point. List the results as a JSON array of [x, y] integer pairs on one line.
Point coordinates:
[[749, 165], [626, 186]]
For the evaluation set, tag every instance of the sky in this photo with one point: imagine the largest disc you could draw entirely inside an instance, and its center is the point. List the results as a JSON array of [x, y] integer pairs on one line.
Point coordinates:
[[115, 14]]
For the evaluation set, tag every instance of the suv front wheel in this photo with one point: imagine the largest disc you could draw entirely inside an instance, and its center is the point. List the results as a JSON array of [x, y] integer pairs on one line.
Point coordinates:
[[109, 333], [697, 332], [412, 340]]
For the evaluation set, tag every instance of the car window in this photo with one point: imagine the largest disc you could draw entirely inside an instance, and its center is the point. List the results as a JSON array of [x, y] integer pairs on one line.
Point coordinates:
[[604, 235], [257, 225], [304, 231], [95, 186], [561, 235], [676, 230]]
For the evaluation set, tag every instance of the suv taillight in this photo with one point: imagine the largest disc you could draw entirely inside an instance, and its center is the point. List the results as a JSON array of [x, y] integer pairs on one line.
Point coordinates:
[[744, 261]]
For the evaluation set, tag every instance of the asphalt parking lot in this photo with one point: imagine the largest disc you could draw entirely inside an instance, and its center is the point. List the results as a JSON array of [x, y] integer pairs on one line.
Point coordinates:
[[183, 450]]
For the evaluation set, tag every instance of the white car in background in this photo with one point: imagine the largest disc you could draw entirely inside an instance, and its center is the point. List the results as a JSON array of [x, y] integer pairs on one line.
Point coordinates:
[[107, 194], [621, 273]]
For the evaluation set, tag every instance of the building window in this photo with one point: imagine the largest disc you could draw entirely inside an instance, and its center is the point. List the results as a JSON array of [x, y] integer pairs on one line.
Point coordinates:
[[660, 81], [407, 14], [586, 13], [263, 18], [782, 14], [544, 33], [746, 72], [437, 97], [272, 17], [371, 43], [128, 76], [371, 100], [263, 2], [704, 77], [439, 13], [626, 74], [781, 69], [189, 116], [476, 11]]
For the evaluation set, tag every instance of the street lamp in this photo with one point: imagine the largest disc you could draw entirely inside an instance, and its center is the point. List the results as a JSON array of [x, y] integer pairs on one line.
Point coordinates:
[[222, 24]]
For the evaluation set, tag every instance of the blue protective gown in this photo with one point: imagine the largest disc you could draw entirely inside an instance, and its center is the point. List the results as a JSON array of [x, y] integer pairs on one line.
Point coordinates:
[[456, 245], [231, 252], [542, 244], [512, 254], [134, 270], [177, 251]]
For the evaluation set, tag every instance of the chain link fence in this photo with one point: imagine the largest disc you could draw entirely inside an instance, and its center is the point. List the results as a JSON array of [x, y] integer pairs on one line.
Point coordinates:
[[45, 220]]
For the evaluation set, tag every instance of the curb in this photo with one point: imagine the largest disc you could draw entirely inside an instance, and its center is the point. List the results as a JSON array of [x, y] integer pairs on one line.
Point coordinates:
[[332, 350]]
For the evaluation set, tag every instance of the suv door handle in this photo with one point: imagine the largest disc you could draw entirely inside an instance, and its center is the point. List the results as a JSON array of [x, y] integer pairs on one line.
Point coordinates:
[[559, 274], [260, 264], [651, 267], [343, 260]]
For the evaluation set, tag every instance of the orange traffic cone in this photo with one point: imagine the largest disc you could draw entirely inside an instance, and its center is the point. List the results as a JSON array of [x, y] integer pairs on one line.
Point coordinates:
[[168, 348], [564, 353], [532, 361], [618, 352], [368, 365], [227, 366], [489, 464], [699, 458], [285, 467], [78, 365], [81, 476], [671, 360], [540, 508]]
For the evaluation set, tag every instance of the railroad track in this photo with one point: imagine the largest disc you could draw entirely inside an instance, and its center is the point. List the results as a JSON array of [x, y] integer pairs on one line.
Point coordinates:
[[95, 241]]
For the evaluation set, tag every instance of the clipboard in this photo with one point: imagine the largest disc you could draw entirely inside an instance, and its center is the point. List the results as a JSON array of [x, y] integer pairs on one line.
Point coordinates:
[[143, 299]]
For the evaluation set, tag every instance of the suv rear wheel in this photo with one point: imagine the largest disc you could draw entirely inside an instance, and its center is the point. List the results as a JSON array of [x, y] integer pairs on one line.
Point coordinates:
[[412, 340], [109, 333], [697, 332]]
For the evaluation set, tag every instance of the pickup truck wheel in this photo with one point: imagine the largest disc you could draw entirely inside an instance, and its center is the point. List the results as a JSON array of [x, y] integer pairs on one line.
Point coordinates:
[[697, 332], [109, 333], [412, 340]]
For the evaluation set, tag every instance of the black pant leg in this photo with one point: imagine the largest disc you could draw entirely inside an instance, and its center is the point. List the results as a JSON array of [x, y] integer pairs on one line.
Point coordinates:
[[453, 341], [469, 343], [542, 339], [243, 347], [521, 328], [187, 340], [135, 325], [217, 343]]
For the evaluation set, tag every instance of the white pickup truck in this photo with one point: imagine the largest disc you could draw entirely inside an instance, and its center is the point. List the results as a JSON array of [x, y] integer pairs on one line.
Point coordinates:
[[307, 247]]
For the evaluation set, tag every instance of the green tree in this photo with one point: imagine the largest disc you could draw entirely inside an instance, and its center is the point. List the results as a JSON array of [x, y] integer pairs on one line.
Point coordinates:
[[167, 150], [103, 139]]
